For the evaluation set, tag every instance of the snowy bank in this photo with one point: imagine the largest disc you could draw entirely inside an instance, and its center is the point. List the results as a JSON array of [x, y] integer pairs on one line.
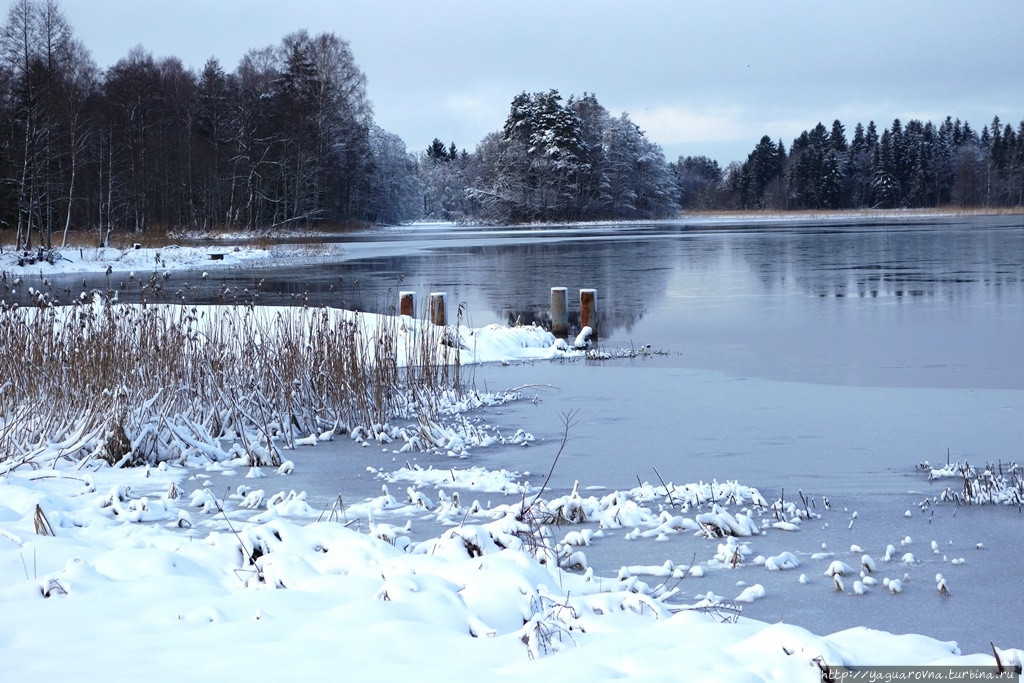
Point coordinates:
[[142, 259], [121, 589]]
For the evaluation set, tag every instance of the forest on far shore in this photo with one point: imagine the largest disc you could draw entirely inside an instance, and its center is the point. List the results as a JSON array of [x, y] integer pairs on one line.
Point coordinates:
[[287, 140]]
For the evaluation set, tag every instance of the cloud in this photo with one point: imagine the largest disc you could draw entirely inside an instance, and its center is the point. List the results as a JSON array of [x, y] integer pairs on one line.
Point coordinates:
[[480, 109], [674, 124]]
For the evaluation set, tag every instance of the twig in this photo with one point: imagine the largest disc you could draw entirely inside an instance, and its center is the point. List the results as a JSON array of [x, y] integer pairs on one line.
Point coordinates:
[[999, 662], [323, 511], [671, 500], [252, 560], [43, 526], [567, 422], [530, 386]]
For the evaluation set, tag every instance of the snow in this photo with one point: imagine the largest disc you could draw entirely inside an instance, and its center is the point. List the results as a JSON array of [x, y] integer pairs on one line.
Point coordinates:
[[751, 593], [143, 261], [786, 560], [460, 604], [838, 568], [150, 570]]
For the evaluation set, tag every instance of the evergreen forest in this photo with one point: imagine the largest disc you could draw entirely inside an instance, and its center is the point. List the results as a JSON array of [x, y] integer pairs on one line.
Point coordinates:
[[912, 165]]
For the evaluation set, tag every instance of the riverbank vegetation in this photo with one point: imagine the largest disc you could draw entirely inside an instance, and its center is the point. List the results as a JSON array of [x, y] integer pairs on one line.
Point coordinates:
[[142, 384]]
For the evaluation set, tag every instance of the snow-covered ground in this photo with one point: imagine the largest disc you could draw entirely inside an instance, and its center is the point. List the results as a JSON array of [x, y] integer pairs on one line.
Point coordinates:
[[141, 259], [226, 572], [143, 572]]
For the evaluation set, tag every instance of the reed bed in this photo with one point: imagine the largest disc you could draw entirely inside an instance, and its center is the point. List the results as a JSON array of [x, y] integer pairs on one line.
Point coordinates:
[[994, 484], [135, 384]]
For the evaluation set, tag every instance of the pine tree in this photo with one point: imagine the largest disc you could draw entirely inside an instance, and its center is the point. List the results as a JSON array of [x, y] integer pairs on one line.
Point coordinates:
[[837, 137], [592, 197], [215, 129], [884, 181], [437, 152], [761, 169]]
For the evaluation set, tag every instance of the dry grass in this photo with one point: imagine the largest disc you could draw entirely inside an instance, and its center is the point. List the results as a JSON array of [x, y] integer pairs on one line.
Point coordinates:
[[804, 214], [340, 228], [142, 384], [155, 238]]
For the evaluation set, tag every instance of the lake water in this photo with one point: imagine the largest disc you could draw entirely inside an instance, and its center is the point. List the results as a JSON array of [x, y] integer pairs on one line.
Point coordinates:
[[915, 302], [826, 356], [910, 304]]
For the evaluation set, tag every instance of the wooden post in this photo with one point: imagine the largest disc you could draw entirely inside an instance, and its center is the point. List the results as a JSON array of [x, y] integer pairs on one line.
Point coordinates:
[[560, 311], [438, 315], [407, 304], [588, 310]]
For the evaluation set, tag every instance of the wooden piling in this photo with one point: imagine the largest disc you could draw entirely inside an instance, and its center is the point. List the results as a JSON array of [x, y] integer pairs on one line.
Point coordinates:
[[588, 310], [560, 311], [438, 315], [407, 304]]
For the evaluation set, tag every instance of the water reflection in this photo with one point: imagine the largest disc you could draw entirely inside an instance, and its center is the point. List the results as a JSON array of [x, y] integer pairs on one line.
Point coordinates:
[[924, 261], [829, 301], [500, 283], [510, 279]]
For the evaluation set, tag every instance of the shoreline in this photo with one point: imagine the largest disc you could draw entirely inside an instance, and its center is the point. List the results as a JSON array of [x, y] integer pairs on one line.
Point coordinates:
[[224, 251]]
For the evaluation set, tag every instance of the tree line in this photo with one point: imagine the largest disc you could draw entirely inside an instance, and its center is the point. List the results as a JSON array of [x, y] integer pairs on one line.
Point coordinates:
[[287, 139], [573, 161], [912, 165]]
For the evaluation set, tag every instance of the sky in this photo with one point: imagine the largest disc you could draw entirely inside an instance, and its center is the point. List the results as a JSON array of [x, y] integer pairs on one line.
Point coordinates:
[[700, 78]]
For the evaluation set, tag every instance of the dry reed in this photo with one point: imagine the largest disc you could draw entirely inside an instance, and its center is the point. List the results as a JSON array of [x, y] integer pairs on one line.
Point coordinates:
[[134, 384]]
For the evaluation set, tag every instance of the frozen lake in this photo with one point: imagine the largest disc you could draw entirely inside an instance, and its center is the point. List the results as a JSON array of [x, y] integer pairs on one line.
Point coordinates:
[[827, 357], [919, 302], [909, 304], [822, 356]]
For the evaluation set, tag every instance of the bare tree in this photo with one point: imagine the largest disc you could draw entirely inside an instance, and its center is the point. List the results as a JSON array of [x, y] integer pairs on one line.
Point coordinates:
[[20, 49], [78, 86]]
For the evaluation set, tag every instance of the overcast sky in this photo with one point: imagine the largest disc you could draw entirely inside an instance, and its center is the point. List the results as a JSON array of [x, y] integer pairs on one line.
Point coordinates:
[[703, 77]]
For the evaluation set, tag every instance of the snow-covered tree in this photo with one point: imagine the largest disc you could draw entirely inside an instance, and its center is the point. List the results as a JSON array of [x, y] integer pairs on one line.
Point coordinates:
[[885, 188], [639, 180], [571, 161], [395, 189], [699, 180]]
